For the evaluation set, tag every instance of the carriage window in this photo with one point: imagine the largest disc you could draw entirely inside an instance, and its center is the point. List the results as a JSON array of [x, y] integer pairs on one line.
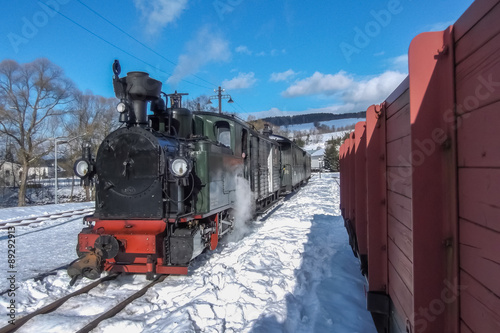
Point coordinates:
[[244, 137], [223, 133]]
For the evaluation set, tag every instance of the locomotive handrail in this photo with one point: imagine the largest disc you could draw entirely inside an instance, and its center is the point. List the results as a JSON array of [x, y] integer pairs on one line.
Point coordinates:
[[186, 196]]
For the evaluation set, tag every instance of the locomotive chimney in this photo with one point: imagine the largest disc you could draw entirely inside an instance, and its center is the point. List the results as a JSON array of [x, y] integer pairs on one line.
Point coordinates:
[[141, 89], [268, 130]]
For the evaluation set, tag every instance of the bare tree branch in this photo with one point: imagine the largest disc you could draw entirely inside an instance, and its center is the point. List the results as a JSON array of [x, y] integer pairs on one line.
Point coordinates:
[[31, 94]]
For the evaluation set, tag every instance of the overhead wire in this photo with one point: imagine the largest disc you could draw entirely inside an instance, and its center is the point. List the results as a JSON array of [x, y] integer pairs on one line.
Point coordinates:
[[138, 41], [240, 107], [235, 110], [144, 45], [126, 52]]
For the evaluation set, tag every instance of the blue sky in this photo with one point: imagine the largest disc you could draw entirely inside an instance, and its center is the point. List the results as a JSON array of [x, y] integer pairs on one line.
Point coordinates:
[[272, 57]]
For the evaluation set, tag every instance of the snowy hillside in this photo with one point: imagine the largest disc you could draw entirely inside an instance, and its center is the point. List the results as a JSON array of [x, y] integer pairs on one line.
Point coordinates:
[[315, 141], [337, 123], [319, 140], [293, 271]]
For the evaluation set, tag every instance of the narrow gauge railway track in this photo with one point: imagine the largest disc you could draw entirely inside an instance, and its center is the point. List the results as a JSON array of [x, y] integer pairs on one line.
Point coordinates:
[[41, 276], [44, 218], [93, 324]]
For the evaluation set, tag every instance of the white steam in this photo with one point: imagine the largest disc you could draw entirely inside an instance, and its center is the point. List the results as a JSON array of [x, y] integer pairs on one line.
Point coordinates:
[[244, 210]]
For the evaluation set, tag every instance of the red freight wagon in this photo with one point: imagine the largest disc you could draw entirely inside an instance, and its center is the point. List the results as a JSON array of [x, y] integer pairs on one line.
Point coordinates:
[[420, 185]]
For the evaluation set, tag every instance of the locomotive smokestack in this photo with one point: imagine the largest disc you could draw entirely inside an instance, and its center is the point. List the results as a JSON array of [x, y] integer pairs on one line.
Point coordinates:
[[141, 89], [268, 130]]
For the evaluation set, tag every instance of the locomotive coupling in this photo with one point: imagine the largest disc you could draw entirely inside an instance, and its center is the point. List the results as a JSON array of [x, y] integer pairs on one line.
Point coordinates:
[[89, 266]]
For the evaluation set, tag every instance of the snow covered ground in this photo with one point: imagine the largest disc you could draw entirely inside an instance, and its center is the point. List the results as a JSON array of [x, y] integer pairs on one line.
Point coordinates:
[[293, 271], [17, 213]]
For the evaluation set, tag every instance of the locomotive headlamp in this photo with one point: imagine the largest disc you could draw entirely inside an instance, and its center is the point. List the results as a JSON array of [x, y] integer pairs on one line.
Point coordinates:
[[179, 167], [121, 107], [81, 167]]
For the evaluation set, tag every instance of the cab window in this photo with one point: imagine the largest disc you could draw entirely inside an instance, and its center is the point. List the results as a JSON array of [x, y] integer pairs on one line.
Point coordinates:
[[223, 133]]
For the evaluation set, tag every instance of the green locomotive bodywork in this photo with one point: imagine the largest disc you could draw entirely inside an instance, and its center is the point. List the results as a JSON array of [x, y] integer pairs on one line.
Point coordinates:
[[228, 148]]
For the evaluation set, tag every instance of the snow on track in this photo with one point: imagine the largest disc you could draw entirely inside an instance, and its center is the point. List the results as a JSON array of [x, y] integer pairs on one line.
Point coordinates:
[[78, 311], [293, 272], [18, 213], [40, 247]]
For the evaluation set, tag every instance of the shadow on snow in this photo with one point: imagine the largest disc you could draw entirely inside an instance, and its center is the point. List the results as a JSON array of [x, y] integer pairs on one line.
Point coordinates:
[[329, 293]]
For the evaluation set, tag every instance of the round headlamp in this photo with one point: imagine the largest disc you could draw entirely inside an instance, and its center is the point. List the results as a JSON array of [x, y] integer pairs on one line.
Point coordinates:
[[179, 167], [81, 168], [121, 107]]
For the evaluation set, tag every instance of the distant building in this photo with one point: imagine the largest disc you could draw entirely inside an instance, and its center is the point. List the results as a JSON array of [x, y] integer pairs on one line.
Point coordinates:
[[317, 159], [10, 173], [43, 169]]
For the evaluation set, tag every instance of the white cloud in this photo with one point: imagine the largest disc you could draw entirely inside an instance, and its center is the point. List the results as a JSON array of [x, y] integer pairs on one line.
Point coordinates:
[[157, 14], [345, 87], [206, 47], [402, 59], [374, 90], [242, 81], [243, 49], [284, 76], [319, 83], [400, 63]]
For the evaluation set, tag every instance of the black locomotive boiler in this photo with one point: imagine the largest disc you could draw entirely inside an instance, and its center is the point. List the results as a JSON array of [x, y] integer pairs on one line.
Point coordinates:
[[166, 183]]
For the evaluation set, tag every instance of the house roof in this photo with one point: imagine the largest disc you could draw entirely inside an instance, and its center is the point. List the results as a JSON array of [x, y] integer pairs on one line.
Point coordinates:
[[319, 152], [2, 163]]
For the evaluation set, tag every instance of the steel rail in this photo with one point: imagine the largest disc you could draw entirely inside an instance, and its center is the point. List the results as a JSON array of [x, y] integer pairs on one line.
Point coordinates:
[[44, 218], [54, 305], [120, 306]]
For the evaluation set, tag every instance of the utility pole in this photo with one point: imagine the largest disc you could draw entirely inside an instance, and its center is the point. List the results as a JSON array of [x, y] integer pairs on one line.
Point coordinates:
[[220, 96]]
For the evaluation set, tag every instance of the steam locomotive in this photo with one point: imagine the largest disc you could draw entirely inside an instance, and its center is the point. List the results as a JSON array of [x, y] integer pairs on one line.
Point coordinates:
[[167, 182]]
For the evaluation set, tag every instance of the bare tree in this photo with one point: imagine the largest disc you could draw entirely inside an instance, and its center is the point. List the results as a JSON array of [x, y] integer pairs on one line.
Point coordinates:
[[31, 94], [94, 115], [2, 158], [91, 114], [200, 103]]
